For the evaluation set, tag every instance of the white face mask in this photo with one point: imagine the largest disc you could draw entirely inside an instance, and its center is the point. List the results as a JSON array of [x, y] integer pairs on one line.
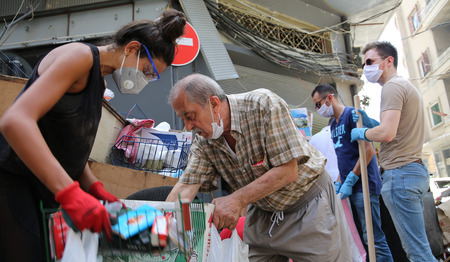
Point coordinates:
[[325, 111], [130, 80], [217, 129], [372, 73]]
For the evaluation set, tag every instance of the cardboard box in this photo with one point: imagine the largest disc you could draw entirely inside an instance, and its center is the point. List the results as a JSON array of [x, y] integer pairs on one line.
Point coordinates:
[[177, 144], [443, 211], [174, 135], [122, 182]]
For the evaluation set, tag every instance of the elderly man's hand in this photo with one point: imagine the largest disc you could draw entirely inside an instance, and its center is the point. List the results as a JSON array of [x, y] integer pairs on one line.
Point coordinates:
[[227, 211]]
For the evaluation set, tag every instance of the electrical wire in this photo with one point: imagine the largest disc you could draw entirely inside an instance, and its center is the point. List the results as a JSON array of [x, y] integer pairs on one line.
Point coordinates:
[[338, 30], [327, 29], [286, 56], [375, 16], [423, 31], [30, 10], [378, 14]]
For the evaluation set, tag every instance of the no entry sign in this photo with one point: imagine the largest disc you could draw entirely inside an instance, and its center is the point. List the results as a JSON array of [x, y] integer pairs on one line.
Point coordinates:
[[188, 47]]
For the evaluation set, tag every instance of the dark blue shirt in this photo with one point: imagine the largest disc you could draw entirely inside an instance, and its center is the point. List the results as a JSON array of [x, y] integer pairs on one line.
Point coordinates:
[[348, 153]]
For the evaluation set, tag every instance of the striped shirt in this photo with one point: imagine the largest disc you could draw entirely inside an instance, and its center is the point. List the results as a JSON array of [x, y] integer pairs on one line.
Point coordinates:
[[266, 137]]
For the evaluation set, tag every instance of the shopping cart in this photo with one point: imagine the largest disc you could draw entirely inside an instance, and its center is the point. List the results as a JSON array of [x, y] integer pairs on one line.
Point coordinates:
[[185, 241]]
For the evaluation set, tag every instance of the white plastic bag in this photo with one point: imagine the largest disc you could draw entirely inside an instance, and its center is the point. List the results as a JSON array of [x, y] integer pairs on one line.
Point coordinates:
[[229, 250], [216, 251], [81, 247], [108, 95], [235, 249]]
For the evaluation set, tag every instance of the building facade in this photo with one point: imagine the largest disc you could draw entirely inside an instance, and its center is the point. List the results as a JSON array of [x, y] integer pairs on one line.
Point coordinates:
[[425, 30], [287, 46]]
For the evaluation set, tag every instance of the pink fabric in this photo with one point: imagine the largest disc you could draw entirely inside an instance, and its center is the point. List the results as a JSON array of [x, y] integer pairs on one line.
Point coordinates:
[[129, 135], [226, 233], [353, 230]]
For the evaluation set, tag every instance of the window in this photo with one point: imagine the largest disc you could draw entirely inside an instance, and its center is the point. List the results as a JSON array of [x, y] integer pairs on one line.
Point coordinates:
[[424, 64], [414, 21], [436, 115]]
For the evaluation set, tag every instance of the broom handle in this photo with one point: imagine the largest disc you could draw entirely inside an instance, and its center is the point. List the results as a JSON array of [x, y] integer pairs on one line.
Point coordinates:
[[365, 186]]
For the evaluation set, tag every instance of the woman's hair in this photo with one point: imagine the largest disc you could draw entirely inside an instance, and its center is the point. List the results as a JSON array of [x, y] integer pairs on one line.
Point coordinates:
[[158, 36]]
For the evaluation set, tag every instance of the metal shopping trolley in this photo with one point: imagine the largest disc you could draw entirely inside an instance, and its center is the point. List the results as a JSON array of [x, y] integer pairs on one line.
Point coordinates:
[[185, 237]]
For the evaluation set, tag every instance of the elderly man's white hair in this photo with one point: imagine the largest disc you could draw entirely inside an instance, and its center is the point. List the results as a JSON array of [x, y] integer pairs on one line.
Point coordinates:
[[198, 89]]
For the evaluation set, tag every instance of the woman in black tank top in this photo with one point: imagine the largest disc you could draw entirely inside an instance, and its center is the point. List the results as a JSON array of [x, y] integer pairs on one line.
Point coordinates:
[[58, 112]]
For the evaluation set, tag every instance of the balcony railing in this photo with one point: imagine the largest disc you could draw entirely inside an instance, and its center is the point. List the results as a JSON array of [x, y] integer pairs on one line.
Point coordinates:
[[427, 9], [444, 57]]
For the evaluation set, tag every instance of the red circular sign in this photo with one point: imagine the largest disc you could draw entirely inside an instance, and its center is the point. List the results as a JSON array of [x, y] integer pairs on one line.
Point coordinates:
[[187, 47]]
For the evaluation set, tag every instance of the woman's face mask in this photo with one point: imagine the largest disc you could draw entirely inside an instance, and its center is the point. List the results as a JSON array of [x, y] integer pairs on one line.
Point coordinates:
[[130, 80]]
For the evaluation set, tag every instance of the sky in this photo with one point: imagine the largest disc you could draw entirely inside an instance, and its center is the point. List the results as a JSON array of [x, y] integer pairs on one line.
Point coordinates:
[[390, 34]]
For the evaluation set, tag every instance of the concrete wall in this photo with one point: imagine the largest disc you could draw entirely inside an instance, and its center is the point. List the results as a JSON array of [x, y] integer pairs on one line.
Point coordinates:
[[80, 25]]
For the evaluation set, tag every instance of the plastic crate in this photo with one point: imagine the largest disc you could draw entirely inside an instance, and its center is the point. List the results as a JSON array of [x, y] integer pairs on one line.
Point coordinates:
[[162, 156], [188, 245]]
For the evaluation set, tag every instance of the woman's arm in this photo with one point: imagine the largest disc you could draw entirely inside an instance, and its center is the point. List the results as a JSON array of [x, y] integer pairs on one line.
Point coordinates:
[[63, 70]]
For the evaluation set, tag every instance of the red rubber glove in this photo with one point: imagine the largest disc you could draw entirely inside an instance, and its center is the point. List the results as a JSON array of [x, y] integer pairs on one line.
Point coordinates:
[[84, 210], [97, 190]]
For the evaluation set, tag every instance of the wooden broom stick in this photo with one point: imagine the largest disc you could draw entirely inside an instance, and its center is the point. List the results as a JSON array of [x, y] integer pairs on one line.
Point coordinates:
[[365, 186]]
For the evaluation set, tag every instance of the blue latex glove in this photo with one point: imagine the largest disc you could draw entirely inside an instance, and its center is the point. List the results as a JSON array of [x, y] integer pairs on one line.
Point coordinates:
[[359, 134], [367, 121], [347, 188], [337, 186]]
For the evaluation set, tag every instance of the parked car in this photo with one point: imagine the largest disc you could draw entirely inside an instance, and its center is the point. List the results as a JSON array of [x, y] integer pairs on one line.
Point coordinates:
[[440, 187]]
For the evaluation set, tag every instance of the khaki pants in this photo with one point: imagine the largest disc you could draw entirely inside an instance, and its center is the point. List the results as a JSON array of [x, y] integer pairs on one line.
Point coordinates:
[[312, 229]]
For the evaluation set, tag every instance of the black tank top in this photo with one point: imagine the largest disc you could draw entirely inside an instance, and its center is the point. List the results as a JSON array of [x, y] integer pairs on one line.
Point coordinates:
[[69, 129]]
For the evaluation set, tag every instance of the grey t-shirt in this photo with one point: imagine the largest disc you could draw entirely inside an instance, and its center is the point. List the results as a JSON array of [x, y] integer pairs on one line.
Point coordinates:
[[400, 94]]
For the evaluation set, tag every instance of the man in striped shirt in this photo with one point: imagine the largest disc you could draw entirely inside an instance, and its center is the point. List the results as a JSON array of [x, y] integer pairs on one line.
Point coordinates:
[[251, 141]]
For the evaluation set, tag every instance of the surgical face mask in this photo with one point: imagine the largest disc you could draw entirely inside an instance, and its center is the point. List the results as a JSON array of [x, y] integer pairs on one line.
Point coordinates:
[[325, 111], [130, 80], [217, 129], [372, 73]]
